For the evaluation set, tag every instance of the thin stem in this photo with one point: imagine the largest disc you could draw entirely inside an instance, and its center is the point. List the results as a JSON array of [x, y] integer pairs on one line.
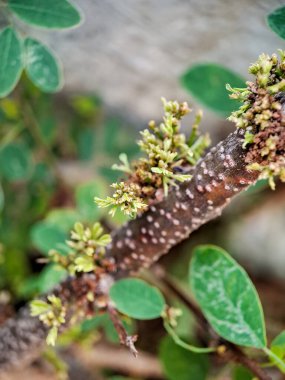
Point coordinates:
[[232, 352], [33, 126], [189, 347], [11, 135], [275, 358]]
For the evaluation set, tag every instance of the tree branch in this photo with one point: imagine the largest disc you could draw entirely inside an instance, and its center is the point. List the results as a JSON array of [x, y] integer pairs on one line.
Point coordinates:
[[217, 178]]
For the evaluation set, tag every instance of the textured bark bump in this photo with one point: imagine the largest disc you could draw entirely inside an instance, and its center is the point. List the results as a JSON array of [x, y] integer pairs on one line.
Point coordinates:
[[217, 178]]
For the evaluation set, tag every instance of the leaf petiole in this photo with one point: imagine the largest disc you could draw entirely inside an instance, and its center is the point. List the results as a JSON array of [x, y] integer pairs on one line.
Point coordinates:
[[189, 347], [276, 360]]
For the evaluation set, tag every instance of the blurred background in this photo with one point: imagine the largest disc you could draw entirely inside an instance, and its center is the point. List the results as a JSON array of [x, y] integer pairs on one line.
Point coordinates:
[[56, 153]]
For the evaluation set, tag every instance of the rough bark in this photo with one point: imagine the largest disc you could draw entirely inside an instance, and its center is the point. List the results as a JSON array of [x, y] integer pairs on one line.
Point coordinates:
[[217, 178]]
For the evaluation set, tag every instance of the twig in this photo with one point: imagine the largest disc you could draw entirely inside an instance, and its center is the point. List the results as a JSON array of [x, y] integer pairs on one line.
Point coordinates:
[[217, 178], [125, 339]]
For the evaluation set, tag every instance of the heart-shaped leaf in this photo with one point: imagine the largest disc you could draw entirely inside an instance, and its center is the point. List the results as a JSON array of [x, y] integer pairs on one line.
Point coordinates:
[[227, 297], [137, 299], [50, 14], [11, 64]]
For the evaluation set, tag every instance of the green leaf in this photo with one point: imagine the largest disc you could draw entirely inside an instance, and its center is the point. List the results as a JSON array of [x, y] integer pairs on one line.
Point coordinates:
[[50, 276], [42, 66], [227, 297], [63, 218], [207, 83], [276, 21], [51, 14], [11, 65], [181, 364], [278, 344], [15, 162], [48, 129], [85, 144], [260, 185], [84, 197], [241, 373], [137, 299], [278, 348], [46, 236]]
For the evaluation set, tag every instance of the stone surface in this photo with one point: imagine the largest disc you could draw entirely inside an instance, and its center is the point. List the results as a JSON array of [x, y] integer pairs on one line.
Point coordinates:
[[132, 52]]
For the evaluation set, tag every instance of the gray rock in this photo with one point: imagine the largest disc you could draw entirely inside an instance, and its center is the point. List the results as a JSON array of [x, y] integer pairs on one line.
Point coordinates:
[[132, 52]]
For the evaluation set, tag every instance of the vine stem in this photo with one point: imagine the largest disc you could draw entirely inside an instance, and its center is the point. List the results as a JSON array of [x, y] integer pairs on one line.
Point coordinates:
[[189, 347]]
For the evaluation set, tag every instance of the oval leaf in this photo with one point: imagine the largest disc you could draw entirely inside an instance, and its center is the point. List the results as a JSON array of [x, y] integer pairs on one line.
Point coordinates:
[[276, 21], [50, 14], [207, 83], [63, 218], [11, 60], [42, 67], [137, 299], [182, 364], [227, 297], [46, 236], [15, 162], [84, 198], [50, 276]]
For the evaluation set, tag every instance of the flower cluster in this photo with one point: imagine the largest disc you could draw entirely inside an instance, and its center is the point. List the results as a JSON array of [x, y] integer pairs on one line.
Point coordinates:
[[86, 249], [52, 313], [85, 253], [126, 197], [262, 116], [168, 157]]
